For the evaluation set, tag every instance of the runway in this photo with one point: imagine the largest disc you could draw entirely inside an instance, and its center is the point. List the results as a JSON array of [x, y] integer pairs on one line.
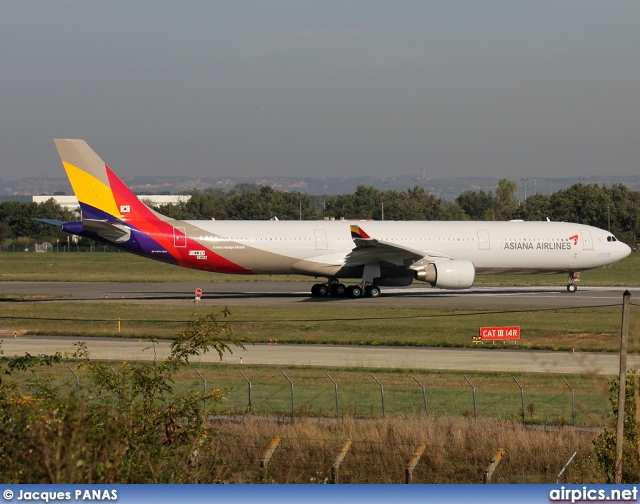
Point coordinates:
[[297, 294], [414, 358]]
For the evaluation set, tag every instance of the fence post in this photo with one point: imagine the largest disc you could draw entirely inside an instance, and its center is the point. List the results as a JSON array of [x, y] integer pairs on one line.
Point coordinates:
[[565, 466], [264, 461], [250, 405], [475, 409], [204, 401], [381, 392], [336, 463], [335, 385], [77, 382], [424, 396], [524, 424], [413, 462], [292, 403], [492, 466], [573, 403]]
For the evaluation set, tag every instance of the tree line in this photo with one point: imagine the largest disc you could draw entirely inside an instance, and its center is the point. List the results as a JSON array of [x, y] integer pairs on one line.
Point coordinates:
[[616, 208]]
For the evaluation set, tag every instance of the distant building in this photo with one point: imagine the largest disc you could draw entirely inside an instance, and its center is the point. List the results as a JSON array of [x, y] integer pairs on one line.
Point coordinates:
[[66, 202], [71, 202]]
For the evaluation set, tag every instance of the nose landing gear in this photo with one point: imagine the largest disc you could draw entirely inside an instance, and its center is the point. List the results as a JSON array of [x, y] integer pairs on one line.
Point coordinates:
[[573, 278]]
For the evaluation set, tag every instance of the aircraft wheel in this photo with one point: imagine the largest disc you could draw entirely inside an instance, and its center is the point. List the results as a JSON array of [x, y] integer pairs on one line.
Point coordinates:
[[319, 290], [337, 289], [354, 291], [572, 288], [373, 291]]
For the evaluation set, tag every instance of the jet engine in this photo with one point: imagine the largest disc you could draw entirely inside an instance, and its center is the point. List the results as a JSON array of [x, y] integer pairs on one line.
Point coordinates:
[[448, 274]]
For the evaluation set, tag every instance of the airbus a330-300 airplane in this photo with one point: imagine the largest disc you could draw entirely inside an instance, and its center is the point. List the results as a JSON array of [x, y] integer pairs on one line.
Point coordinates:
[[387, 253]]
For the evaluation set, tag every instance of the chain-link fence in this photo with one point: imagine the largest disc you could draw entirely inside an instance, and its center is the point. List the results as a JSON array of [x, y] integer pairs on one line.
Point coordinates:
[[532, 400]]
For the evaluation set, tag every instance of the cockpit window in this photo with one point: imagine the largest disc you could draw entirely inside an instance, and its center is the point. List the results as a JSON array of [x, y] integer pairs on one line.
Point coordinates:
[[611, 238]]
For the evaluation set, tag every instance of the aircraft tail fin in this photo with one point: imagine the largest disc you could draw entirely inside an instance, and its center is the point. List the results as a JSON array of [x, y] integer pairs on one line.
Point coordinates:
[[101, 194]]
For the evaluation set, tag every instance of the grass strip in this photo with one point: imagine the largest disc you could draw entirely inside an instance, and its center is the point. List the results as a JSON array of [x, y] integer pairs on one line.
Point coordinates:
[[124, 267], [557, 329]]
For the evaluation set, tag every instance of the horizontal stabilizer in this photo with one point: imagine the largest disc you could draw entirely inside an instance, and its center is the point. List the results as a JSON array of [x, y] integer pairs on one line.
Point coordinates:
[[53, 222], [112, 232]]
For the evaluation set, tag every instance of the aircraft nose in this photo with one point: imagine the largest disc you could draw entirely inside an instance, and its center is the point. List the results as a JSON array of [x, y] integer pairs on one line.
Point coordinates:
[[625, 250]]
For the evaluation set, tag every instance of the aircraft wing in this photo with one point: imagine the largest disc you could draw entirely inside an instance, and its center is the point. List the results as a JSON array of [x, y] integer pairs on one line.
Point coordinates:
[[370, 250]]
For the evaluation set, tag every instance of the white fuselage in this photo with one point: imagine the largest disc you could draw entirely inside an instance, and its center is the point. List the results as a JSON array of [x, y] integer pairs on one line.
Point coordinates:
[[279, 247]]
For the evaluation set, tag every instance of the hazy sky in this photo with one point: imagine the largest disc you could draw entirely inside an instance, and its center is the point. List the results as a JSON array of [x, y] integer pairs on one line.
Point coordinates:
[[323, 88]]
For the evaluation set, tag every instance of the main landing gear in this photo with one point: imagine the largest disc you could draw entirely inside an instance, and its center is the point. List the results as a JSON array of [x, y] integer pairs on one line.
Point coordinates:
[[573, 278], [335, 289]]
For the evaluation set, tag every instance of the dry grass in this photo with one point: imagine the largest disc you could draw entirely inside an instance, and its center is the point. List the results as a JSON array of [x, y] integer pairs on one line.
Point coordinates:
[[457, 451]]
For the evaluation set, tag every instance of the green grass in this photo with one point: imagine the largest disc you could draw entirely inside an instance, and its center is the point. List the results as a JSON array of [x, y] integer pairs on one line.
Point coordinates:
[[577, 329], [123, 267]]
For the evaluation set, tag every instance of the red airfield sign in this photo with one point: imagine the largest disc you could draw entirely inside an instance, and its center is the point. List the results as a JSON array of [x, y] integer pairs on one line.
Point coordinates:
[[500, 333], [198, 292]]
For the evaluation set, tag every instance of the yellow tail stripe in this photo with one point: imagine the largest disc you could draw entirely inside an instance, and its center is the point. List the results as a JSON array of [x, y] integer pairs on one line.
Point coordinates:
[[91, 191]]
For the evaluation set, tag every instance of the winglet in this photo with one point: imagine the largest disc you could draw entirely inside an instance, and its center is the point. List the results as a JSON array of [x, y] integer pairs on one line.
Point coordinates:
[[357, 232]]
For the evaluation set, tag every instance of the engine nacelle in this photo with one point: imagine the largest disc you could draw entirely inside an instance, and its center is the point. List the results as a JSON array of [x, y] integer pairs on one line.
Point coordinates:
[[449, 274]]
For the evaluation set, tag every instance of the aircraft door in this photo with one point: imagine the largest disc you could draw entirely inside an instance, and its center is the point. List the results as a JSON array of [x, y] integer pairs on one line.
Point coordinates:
[[587, 242], [321, 239], [483, 239], [179, 237]]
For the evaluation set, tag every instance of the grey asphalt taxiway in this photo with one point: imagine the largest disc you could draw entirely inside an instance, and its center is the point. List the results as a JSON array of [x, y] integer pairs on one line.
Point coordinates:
[[296, 294], [413, 358]]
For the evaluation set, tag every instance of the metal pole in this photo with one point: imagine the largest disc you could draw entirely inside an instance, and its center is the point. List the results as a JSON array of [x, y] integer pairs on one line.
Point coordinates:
[[573, 403], [522, 399], [475, 409], [626, 298], [424, 396], [292, 404], [335, 385], [250, 405], [381, 392]]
